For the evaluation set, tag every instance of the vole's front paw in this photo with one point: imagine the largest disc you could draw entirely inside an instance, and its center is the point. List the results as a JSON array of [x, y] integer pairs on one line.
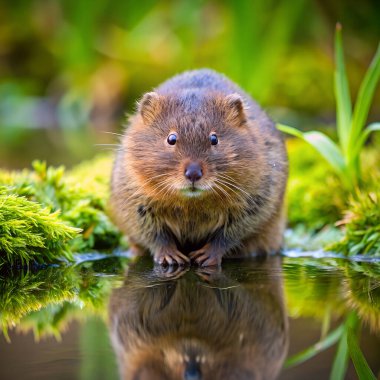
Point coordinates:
[[207, 256], [170, 256]]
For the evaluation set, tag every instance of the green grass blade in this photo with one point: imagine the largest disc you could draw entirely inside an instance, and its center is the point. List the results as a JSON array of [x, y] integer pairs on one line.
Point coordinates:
[[364, 136], [323, 144], [340, 364], [365, 96], [290, 130], [342, 92], [327, 148], [6, 333], [372, 128], [342, 355], [361, 366], [315, 349], [326, 323]]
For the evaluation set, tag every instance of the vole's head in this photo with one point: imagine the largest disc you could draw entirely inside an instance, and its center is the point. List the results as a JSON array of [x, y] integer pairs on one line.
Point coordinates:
[[191, 144]]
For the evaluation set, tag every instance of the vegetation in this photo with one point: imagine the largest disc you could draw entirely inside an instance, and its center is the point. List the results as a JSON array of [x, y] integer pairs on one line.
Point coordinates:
[[362, 291], [23, 293], [29, 232], [69, 70], [46, 300], [47, 214], [322, 282], [315, 199], [362, 226], [79, 78], [70, 80], [362, 221], [344, 157], [74, 208], [333, 292]]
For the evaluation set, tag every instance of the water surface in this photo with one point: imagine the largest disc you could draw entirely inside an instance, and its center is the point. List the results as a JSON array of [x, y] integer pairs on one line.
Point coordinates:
[[110, 318]]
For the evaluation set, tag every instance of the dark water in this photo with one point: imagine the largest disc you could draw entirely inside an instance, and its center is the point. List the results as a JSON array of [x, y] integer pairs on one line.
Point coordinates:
[[100, 318]]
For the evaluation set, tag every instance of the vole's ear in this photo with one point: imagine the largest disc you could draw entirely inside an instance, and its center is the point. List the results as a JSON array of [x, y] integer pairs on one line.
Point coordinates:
[[235, 109], [149, 106]]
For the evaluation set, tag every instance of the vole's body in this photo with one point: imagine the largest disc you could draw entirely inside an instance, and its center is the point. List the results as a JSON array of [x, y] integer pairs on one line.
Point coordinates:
[[233, 197]]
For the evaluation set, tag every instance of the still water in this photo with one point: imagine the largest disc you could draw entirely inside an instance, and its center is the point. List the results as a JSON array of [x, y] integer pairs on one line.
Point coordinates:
[[281, 317]]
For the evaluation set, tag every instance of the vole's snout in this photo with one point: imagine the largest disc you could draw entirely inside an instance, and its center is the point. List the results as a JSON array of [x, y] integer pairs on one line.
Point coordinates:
[[193, 172]]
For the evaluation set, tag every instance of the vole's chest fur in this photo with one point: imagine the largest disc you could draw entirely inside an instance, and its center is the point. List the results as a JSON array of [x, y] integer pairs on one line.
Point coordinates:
[[192, 224]]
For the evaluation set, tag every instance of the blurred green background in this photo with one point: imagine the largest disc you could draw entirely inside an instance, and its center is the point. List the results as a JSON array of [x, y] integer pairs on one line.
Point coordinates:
[[70, 70]]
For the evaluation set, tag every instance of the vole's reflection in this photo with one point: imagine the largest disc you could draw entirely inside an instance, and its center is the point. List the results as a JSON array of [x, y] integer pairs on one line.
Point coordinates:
[[201, 325]]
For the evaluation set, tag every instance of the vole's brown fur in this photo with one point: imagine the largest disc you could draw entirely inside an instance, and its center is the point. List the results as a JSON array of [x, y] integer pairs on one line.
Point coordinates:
[[237, 202], [223, 328]]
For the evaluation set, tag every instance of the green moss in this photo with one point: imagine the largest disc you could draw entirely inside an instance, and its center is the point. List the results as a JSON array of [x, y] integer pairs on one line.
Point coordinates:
[[317, 201], [315, 197], [29, 231], [361, 226], [44, 209]]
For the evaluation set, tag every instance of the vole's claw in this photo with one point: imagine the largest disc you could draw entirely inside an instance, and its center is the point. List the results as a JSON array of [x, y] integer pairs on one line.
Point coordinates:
[[195, 255], [170, 257], [206, 256]]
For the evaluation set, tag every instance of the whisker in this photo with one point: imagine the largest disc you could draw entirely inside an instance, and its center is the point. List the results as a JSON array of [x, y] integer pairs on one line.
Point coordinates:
[[215, 192], [151, 178], [158, 175], [131, 196], [146, 182], [110, 149], [160, 187], [107, 145], [113, 133], [227, 186], [228, 182], [167, 188], [224, 192], [208, 186]]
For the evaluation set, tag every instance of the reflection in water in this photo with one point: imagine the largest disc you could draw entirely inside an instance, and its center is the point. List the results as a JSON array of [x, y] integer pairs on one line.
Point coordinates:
[[45, 300], [317, 287], [362, 292], [233, 322], [199, 324], [34, 299]]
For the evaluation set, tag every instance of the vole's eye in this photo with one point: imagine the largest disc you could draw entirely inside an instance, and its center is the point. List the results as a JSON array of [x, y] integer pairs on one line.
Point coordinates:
[[213, 139], [172, 139]]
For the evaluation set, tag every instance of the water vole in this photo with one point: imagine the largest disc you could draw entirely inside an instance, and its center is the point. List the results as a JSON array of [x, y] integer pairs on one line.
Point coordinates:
[[201, 173]]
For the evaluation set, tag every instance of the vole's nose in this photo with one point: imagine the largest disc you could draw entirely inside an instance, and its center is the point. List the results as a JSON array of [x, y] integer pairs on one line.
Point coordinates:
[[193, 172]]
